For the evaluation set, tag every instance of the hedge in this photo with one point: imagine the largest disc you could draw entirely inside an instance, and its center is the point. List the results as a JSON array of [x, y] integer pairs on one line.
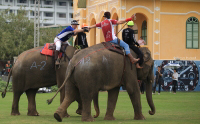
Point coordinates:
[[3, 86], [9, 89]]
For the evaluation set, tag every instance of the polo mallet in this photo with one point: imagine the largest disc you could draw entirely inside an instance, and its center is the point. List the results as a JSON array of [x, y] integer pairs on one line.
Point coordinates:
[[121, 28], [125, 24]]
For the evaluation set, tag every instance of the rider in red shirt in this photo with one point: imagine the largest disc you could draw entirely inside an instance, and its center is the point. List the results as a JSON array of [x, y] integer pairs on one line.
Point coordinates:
[[108, 30]]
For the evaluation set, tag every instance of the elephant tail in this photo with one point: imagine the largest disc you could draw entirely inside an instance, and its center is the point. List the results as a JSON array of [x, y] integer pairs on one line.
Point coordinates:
[[70, 70], [9, 75], [96, 105]]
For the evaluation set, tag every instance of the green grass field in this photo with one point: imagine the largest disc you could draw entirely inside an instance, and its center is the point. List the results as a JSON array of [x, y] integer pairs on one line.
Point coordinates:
[[180, 108]]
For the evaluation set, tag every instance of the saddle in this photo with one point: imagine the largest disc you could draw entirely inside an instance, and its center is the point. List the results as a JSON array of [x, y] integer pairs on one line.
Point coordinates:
[[52, 46], [49, 49], [114, 47], [46, 50]]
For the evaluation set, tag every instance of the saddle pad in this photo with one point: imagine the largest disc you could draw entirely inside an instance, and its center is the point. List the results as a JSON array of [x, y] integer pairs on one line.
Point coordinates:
[[46, 50], [49, 52], [113, 47]]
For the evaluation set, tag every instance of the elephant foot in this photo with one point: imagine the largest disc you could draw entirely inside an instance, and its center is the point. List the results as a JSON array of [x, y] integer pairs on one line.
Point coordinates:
[[109, 118], [139, 117], [33, 114], [15, 113], [78, 111], [57, 117], [90, 119]]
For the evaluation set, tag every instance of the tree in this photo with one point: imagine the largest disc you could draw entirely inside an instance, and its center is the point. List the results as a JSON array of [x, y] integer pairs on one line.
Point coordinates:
[[16, 34]]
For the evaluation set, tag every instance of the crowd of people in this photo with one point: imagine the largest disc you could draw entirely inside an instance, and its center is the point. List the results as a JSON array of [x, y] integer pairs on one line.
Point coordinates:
[[159, 80]]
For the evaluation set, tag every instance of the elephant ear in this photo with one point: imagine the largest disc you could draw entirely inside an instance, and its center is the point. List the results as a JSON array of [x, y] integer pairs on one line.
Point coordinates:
[[147, 55]]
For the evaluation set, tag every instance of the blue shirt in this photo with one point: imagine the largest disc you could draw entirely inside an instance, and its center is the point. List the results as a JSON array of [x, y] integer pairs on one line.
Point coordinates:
[[65, 34]]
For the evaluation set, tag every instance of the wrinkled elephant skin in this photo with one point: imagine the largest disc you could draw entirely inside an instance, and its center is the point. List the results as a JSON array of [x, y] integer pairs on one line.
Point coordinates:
[[32, 71], [94, 69]]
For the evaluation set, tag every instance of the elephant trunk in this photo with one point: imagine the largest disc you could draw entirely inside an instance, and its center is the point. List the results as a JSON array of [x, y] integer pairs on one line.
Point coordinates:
[[149, 82], [9, 75]]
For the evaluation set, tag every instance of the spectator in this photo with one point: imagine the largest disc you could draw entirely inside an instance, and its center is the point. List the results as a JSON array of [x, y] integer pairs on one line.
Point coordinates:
[[158, 81], [175, 80], [141, 42], [8, 67]]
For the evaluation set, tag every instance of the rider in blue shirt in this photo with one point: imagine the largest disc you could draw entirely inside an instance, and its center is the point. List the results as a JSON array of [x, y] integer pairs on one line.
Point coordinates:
[[64, 35]]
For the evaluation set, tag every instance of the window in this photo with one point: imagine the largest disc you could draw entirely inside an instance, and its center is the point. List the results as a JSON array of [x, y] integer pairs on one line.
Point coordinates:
[[11, 11], [48, 2], [62, 15], [11, 0], [144, 30], [62, 4], [32, 13], [32, 1], [192, 33], [48, 14], [47, 24], [22, 1], [71, 4], [6, 0], [70, 15]]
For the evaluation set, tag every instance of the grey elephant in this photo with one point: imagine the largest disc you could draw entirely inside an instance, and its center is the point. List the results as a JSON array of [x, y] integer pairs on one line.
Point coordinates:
[[32, 71], [100, 69]]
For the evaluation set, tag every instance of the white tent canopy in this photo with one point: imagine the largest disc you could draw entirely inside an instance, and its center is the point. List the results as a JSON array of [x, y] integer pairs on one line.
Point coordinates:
[[172, 66]]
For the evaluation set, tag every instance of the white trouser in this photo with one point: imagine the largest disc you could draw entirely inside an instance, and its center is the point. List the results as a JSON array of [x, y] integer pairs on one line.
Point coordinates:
[[58, 43]]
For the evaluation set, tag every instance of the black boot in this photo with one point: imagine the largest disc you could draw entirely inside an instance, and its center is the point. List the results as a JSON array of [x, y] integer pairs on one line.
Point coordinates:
[[57, 62]]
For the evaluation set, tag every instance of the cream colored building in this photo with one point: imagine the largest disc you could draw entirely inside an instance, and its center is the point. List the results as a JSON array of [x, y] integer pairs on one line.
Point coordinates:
[[170, 27]]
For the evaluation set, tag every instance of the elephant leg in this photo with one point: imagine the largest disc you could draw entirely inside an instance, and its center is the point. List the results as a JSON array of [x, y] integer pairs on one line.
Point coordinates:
[[15, 104], [133, 90], [31, 93], [62, 96], [86, 111], [86, 94], [112, 100], [70, 96], [79, 110]]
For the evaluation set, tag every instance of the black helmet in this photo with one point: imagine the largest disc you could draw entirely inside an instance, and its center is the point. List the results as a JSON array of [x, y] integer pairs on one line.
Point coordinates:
[[107, 15], [74, 22]]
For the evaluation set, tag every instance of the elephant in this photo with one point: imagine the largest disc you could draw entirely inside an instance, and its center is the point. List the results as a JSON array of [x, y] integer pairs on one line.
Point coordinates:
[[32, 71], [97, 69]]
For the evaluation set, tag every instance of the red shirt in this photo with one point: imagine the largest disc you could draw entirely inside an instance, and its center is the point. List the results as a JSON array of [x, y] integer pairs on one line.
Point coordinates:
[[108, 29]]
